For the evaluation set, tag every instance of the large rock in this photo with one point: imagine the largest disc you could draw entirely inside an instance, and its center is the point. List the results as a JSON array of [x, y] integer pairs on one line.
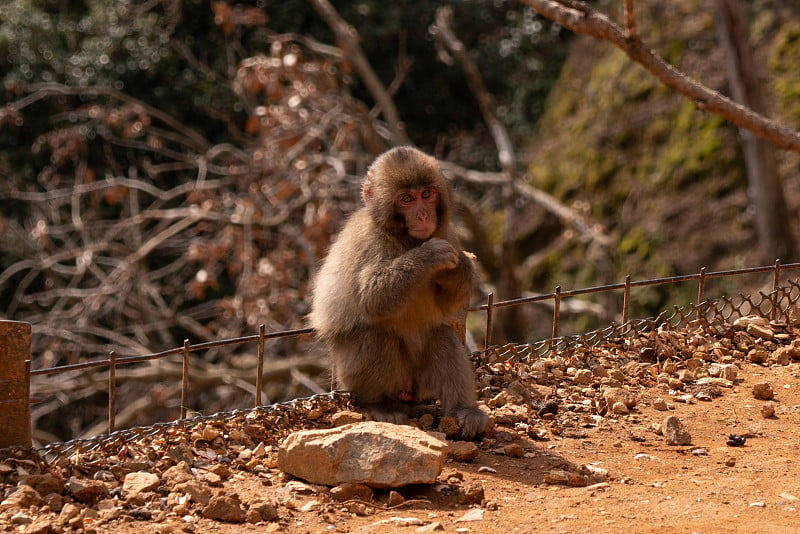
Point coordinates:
[[380, 455]]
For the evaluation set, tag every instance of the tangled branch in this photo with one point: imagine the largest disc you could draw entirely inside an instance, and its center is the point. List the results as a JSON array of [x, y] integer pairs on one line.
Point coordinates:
[[580, 18]]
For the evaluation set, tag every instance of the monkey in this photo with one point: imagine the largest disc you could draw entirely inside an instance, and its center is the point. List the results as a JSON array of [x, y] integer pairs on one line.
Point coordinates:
[[393, 281]]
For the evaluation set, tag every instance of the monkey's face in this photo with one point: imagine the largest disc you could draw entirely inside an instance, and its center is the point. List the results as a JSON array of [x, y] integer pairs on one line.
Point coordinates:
[[417, 207]]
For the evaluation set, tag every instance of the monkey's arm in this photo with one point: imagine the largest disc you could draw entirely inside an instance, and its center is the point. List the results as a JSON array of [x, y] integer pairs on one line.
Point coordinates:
[[385, 289], [454, 286]]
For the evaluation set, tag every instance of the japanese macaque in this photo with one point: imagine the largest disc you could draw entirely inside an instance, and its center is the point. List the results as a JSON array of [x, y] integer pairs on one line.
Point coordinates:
[[394, 280]]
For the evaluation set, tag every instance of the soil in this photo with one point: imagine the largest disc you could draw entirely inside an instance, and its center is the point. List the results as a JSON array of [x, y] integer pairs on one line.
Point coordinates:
[[626, 477]]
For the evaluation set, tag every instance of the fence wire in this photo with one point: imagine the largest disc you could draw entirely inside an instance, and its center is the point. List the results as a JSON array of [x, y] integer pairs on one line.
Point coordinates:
[[778, 305]]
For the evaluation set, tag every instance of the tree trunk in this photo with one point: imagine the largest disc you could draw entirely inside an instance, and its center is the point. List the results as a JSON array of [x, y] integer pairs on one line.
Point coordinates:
[[765, 189]]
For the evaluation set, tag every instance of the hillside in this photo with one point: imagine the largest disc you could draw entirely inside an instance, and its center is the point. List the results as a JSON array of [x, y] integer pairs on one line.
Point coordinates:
[[665, 179]]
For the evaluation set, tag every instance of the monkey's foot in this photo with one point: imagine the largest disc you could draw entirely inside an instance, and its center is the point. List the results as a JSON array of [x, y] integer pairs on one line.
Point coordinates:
[[389, 412], [472, 421]]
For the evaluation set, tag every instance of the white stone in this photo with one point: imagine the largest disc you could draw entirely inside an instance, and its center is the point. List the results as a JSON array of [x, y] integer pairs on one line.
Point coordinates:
[[380, 455]]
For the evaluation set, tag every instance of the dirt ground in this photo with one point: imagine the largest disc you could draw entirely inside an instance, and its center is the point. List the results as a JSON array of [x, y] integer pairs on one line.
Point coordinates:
[[636, 482]]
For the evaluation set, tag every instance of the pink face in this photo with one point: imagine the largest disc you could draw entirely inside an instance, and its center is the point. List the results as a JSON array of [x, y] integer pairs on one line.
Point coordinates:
[[418, 208]]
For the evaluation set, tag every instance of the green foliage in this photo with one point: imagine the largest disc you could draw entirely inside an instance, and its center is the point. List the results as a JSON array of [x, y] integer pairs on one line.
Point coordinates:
[[783, 61], [692, 149]]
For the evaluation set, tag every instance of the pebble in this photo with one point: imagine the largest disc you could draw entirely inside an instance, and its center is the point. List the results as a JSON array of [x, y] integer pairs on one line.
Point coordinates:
[[514, 450], [763, 391], [660, 405], [462, 451], [476, 514], [735, 440], [675, 431], [768, 410], [472, 494]]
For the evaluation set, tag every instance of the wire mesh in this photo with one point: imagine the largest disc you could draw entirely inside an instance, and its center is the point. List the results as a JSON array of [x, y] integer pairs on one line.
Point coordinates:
[[779, 305]]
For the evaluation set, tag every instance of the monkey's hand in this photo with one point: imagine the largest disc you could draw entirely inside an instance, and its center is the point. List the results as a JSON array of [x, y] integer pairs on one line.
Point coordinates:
[[439, 254], [472, 421]]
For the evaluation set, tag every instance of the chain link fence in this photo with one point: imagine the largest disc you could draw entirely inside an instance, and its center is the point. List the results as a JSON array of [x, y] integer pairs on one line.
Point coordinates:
[[779, 304]]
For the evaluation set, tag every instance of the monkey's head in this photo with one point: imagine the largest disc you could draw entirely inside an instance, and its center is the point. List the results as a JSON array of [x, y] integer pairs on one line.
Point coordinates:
[[406, 193]]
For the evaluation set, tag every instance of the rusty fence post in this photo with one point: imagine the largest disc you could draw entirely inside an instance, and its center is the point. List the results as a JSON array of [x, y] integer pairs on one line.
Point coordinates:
[[15, 407]]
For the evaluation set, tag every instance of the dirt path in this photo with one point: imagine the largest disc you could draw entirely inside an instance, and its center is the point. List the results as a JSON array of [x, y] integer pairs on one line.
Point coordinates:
[[638, 483]]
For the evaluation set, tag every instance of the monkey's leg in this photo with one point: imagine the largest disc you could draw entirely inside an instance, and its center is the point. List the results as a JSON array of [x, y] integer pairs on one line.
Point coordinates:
[[371, 366], [447, 372]]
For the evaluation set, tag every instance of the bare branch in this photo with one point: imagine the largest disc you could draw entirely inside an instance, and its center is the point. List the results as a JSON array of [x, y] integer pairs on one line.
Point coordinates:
[[44, 90], [567, 215], [630, 20], [585, 20], [348, 41], [442, 30]]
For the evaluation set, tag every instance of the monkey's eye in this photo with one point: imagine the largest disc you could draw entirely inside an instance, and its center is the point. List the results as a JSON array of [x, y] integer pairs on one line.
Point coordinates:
[[428, 194], [406, 198]]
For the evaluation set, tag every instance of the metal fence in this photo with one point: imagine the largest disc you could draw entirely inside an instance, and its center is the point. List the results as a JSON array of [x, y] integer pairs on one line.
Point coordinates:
[[777, 303]]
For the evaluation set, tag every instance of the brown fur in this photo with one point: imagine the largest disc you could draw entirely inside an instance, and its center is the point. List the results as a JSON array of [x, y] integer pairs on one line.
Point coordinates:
[[383, 300]]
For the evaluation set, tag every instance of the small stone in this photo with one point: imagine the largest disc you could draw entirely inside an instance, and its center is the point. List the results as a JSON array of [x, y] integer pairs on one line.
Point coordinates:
[[69, 512], [430, 527], [47, 483], [23, 497], [346, 417], [224, 508], [462, 451], [660, 405], [265, 510], [763, 391], [763, 332], [565, 478], [426, 421], [196, 491], [450, 427], [583, 377], [514, 450], [140, 482], [86, 491], [743, 322], [768, 410], [41, 525], [619, 408], [757, 356], [20, 519], [675, 432], [730, 462], [675, 383], [473, 494], [614, 395], [395, 499], [735, 440], [351, 490], [685, 375], [476, 514], [177, 474], [729, 372]]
